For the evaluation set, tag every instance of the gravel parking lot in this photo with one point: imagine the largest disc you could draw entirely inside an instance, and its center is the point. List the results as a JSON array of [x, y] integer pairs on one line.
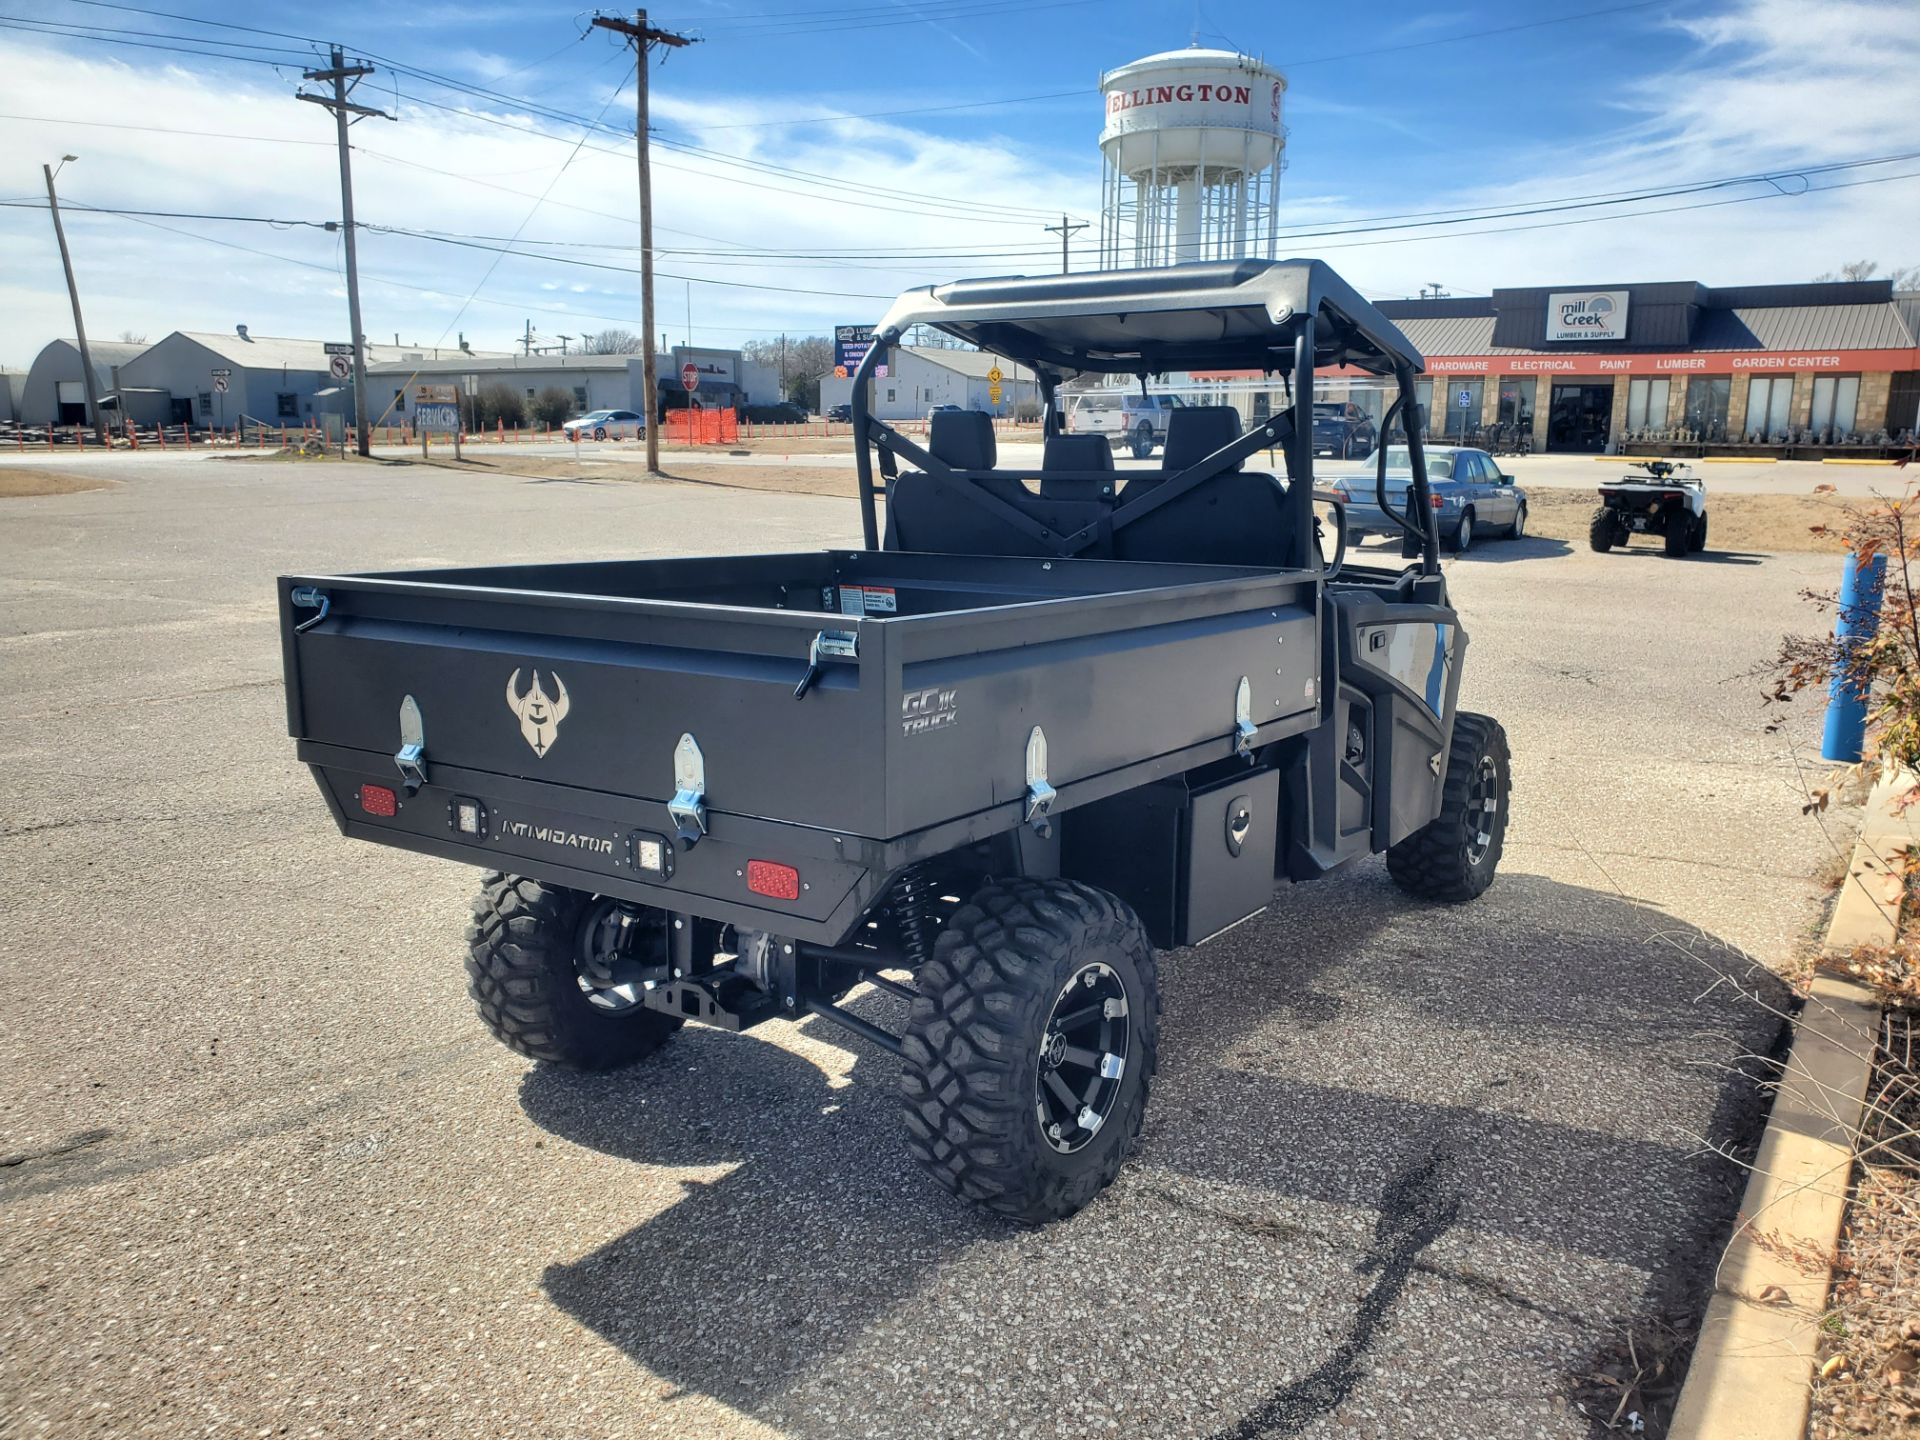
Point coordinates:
[[1407, 1171]]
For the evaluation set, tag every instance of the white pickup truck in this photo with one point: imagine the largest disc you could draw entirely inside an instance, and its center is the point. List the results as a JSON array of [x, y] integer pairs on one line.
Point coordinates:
[[1126, 417]]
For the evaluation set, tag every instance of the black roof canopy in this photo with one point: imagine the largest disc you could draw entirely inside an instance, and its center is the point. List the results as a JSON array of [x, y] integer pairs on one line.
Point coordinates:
[[1213, 315]]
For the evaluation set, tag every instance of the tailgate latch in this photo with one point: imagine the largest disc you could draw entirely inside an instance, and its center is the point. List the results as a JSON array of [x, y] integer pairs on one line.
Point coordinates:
[[1243, 727], [827, 645], [1040, 795], [411, 757], [689, 804]]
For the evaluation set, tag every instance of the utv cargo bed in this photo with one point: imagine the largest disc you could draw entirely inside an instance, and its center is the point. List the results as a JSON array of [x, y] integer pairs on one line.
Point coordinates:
[[922, 678]]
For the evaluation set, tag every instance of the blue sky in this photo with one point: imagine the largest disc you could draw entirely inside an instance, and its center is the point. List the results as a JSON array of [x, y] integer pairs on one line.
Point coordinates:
[[1390, 109]]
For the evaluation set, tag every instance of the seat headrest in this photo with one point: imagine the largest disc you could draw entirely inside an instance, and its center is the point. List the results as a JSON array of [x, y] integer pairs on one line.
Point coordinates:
[[1077, 452], [962, 439], [1196, 431]]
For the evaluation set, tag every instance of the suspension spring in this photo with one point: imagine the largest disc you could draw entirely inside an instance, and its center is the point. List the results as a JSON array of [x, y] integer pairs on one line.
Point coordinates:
[[910, 908]]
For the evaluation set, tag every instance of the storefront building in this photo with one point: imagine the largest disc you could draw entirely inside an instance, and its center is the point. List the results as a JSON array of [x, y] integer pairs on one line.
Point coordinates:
[[1673, 368]]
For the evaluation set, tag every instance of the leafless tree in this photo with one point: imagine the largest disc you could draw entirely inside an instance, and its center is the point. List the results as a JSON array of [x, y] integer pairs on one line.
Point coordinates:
[[612, 342], [1904, 277], [132, 337]]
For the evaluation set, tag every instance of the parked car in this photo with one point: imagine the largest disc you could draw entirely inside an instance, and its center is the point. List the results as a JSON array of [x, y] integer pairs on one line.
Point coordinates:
[[1471, 498], [942, 410], [1342, 429], [1125, 417], [840, 412], [606, 425]]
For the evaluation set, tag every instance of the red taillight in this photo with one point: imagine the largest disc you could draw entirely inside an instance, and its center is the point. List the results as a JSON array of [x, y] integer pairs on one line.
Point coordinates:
[[776, 882], [379, 800], [1436, 502]]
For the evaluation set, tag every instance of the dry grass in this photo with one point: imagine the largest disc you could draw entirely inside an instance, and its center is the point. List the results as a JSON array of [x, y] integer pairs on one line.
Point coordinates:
[[20, 481], [1763, 523], [1869, 1381]]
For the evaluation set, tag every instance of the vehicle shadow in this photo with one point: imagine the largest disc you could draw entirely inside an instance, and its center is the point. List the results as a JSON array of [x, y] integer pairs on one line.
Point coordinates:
[[1542, 1073], [1497, 551], [1702, 557]]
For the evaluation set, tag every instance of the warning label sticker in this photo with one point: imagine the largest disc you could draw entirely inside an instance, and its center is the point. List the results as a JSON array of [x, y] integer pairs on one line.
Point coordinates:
[[868, 600]]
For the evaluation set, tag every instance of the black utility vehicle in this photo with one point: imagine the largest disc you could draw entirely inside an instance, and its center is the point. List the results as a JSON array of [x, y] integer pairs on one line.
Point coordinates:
[[1049, 720], [1670, 503]]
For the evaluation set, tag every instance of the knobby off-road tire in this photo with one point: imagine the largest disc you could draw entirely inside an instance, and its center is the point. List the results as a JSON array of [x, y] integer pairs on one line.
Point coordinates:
[[1699, 541], [979, 1044], [1678, 540], [1454, 856], [521, 950], [1602, 533]]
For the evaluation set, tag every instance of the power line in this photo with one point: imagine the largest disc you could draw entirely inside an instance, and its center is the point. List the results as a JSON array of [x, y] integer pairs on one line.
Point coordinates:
[[167, 130]]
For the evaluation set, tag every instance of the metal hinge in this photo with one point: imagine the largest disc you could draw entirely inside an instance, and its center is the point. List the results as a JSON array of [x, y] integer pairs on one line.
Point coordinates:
[[1040, 795], [306, 597], [411, 757], [689, 804], [827, 645], [1243, 727]]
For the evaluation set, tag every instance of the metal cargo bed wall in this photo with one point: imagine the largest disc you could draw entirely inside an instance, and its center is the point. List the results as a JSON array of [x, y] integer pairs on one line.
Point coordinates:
[[926, 730]]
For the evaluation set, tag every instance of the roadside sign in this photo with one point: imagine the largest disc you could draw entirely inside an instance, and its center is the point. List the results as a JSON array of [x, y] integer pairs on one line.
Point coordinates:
[[1464, 399], [340, 366], [335, 347], [850, 346], [880, 372], [438, 418], [219, 382], [993, 394], [994, 377], [435, 395], [690, 377], [222, 373]]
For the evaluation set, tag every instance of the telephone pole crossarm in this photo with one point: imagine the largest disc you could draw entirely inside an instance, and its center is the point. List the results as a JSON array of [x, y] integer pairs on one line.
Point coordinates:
[[1065, 229], [643, 37]]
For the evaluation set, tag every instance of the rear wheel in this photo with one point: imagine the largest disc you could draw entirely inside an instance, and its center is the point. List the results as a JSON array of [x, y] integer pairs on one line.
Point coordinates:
[[1028, 1052], [1454, 856], [1461, 540], [1603, 534], [1678, 537], [547, 970]]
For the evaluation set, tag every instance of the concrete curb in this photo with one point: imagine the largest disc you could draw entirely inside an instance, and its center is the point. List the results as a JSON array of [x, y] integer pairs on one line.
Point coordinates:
[[1752, 1369]]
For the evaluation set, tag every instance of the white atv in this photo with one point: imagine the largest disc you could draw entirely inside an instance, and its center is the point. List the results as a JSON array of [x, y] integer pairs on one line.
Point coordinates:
[[1670, 503]]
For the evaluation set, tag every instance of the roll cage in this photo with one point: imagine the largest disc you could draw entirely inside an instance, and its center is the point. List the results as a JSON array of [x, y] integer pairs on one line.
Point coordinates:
[[1282, 317]]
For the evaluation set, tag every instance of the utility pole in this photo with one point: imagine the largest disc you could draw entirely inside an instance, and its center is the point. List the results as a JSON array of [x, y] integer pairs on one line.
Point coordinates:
[[1064, 229], [643, 37], [526, 345], [87, 377], [340, 73]]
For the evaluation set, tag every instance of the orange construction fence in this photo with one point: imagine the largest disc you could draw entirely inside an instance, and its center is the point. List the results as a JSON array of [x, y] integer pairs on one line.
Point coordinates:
[[702, 427]]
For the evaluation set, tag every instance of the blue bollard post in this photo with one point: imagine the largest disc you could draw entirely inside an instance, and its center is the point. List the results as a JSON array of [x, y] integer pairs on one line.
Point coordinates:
[[1858, 620]]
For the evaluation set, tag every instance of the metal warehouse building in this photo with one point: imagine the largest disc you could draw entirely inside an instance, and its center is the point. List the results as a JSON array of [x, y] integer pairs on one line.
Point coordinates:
[[272, 379], [54, 391]]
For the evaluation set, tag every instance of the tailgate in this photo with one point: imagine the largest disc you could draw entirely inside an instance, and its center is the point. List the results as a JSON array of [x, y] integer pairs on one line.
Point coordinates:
[[586, 692]]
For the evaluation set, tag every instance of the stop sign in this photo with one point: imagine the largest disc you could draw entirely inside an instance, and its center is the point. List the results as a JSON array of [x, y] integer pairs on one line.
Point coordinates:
[[690, 376]]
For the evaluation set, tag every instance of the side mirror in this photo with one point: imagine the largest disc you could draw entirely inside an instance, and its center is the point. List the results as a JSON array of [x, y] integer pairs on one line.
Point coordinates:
[[1503, 479]]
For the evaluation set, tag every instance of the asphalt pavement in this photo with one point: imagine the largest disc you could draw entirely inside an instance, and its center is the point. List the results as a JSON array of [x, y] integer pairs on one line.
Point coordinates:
[[1407, 1169]]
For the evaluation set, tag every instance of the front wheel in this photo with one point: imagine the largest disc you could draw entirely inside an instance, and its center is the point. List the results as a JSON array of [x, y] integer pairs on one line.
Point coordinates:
[[599, 432], [1699, 534], [1519, 529], [1029, 1049], [548, 970], [1454, 856]]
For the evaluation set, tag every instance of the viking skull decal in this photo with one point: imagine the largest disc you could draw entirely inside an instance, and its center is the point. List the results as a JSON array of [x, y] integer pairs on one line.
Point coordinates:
[[540, 716]]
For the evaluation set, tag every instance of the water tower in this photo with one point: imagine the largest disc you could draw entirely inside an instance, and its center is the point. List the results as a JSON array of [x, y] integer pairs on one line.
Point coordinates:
[[1193, 150]]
